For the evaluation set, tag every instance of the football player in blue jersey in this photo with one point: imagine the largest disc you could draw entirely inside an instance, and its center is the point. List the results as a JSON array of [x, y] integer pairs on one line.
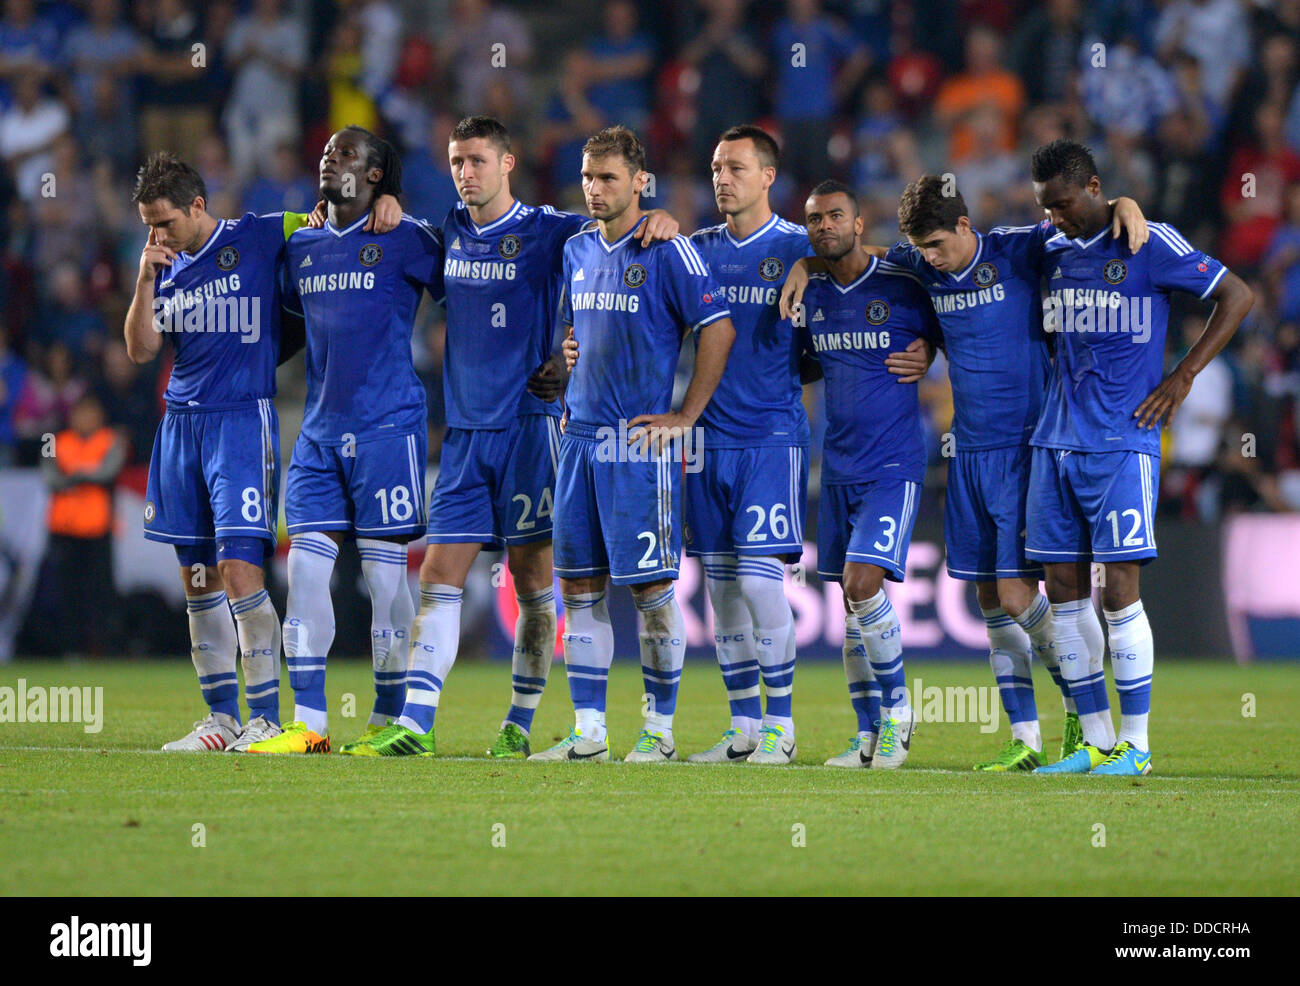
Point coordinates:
[[495, 488], [985, 289], [212, 287], [1096, 449], [745, 507], [358, 464], [617, 511], [873, 462]]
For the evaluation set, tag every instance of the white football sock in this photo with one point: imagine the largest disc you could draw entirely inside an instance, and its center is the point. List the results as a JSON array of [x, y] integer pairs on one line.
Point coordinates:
[[1132, 653], [733, 640], [588, 653], [309, 625], [530, 661], [258, 626], [213, 647], [1090, 628], [435, 637], [383, 566], [1037, 621], [762, 583]]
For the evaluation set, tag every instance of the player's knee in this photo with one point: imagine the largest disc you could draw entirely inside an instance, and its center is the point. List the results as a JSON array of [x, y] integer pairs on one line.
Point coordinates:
[[1121, 587], [987, 595], [241, 577], [861, 584], [644, 589], [1014, 596], [530, 567], [1062, 585]]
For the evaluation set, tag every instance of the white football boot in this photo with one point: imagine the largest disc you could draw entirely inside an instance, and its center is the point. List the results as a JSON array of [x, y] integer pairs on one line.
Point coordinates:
[[257, 730], [573, 747], [651, 748], [774, 746], [210, 735], [734, 747], [895, 739], [859, 753]]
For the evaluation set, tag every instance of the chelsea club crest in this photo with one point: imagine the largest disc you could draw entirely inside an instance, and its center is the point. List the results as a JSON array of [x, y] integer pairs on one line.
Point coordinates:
[[877, 312], [1114, 271], [227, 258], [634, 276], [509, 247], [771, 268], [370, 254], [985, 274]]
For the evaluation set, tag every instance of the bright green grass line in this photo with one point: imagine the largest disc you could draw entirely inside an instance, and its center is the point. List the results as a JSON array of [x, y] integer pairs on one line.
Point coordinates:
[[1218, 817]]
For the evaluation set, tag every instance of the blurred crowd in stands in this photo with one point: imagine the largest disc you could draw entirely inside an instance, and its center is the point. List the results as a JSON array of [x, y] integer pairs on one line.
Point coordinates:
[[1189, 105]]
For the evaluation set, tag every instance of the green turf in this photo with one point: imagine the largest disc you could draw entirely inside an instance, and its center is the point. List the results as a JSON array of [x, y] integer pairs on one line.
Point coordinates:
[[103, 814]]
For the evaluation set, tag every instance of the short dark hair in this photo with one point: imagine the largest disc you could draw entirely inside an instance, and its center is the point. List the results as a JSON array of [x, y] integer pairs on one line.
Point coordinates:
[[165, 176], [617, 140], [487, 127], [925, 207], [380, 154], [832, 187], [1063, 158], [769, 154]]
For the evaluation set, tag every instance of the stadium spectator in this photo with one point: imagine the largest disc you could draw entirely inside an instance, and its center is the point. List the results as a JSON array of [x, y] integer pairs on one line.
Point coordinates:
[[65, 221], [380, 48], [570, 119], [129, 400], [818, 63], [1253, 189], [283, 185], [622, 59], [28, 130], [48, 396], [267, 53], [1197, 433], [1215, 33], [87, 458], [1045, 50], [100, 52], [351, 102], [727, 54], [426, 174], [1128, 93], [13, 378], [28, 43], [479, 43], [176, 94], [1282, 262], [984, 83], [67, 317]]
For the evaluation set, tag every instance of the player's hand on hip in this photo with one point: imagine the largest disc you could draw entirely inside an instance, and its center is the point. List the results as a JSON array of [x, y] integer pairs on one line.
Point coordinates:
[[154, 256], [1162, 402], [1128, 217], [548, 381], [570, 348], [385, 216], [316, 218], [659, 225], [658, 430], [793, 288], [912, 363]]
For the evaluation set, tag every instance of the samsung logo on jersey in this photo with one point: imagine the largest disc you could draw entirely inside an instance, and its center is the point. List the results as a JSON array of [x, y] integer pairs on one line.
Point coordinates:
[[1094, 311], [605, 301], [208, 309], [745, 294], [349, 280], [967, 299], [481, 270], [833, 341]]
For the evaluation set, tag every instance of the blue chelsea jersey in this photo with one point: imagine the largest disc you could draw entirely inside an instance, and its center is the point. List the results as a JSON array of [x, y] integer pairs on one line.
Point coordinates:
[[873, 422], [629, 306], [358, 293], [759, 400], [503, 284], [220, 307], [1109, 310]]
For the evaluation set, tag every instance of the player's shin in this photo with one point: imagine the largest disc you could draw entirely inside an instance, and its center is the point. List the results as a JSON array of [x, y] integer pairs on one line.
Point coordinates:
[[588, 653], [258, 627], [531, 661], [1074, 651], [1132, 652], [881, 636], [435, 638], [309, 626], [212, 649], [762, 583], [1093, 636], [734, 643], [1037, 621], [383, 565], [1009, 658], [864, 690], [662, 640]]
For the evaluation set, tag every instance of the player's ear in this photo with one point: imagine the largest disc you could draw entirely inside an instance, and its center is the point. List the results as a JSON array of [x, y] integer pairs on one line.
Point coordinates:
[[198, 204], [507, 163]]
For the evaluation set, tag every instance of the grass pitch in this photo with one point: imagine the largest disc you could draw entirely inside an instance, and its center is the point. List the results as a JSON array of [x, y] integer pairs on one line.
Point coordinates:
[[106, 814]]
